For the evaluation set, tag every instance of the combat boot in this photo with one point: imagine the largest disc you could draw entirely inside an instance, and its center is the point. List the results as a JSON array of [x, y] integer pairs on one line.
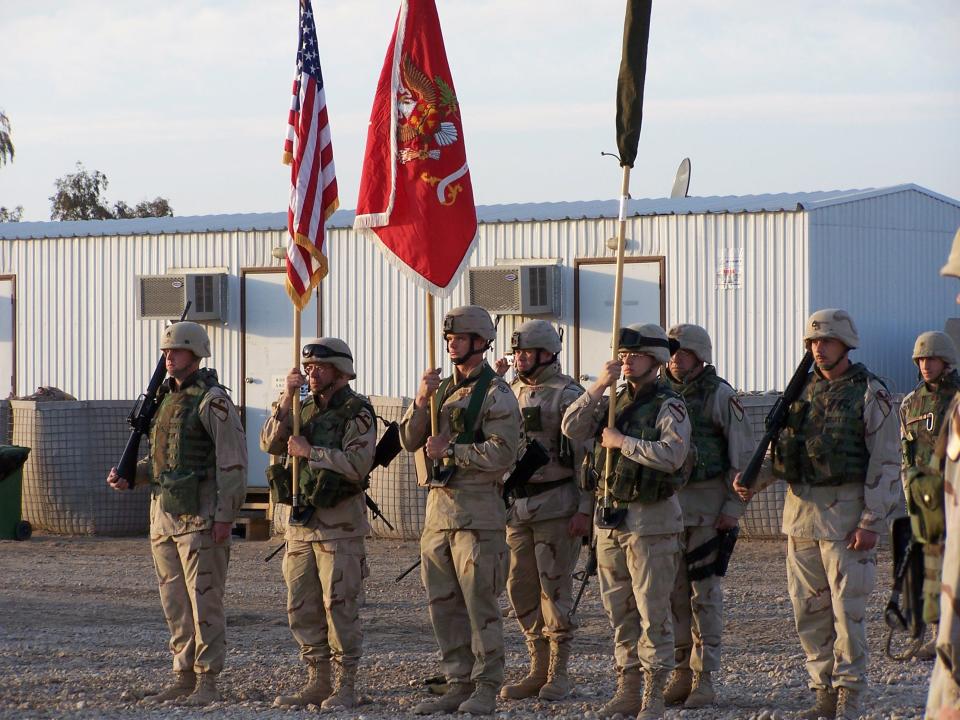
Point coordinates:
[[182, 685], [206, 691], [344, 693], [928, 651], [848, 704], [314, 692], [825, 706], [653, 704], [457, 693], [703, 693], [629, 696], [678, 686], [558, 683], [536, 678], [483, 701]]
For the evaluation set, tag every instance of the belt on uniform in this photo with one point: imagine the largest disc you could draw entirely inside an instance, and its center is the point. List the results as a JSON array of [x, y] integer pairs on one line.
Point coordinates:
[[532, 489]]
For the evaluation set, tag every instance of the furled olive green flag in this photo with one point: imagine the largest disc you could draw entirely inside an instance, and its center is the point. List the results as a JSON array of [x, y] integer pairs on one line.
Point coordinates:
[[633, 70]]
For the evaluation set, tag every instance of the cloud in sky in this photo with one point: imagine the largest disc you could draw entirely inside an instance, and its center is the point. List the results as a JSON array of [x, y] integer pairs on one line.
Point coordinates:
[[188, 98]]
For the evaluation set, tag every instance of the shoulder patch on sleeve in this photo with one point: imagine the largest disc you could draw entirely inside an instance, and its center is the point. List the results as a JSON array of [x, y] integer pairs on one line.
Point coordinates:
[[502, 387], [885, 401], [678, 410], [364, 422], [736, 407], [220, 409]]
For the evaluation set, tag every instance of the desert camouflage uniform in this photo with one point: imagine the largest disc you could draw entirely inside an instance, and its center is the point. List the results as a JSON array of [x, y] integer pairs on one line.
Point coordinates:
[[191, 568], [325, 560], [637, 561], [462, 548], [830, 584], [724, 441]]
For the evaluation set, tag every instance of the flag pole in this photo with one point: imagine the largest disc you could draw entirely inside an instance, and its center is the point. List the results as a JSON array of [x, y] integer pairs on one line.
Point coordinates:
[[617, 303], [295, 482], [432, 359]]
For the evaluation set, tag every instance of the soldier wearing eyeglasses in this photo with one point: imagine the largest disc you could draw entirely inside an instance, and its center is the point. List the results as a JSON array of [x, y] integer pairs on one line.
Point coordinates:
[[325, 559]]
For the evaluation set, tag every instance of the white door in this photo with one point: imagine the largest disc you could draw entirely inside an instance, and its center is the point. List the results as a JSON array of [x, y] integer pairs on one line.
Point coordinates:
[[268, 355], [7, 351], [641, 304]]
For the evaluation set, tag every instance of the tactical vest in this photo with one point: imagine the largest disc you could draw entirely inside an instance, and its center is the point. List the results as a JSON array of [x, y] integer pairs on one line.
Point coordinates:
[[708, 437], [922, 417], [822, 442], [542, 422], [637, 418], [182, 454]]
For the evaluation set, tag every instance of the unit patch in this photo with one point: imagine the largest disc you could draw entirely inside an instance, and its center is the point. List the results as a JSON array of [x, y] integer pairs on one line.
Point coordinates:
[[364, 422], [220, 408], [736, 407], [885, 402], [678, 411]]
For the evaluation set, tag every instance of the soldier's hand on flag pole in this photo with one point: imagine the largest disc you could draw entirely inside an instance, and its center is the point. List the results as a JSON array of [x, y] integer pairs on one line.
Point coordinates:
[[501, 366], [297, 446], [437, 446], [612, 439], [429, 382]]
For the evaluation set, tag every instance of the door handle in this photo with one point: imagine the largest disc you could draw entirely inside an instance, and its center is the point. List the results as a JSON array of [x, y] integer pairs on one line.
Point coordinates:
[[251, 381]]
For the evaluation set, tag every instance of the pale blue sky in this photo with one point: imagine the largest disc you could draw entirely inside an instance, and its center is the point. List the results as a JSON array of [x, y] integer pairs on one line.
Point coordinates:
[[188, 98]]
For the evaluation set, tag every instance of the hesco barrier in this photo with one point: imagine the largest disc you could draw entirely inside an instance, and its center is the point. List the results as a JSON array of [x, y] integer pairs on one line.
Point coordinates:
[[393, 488], [764, 512], [73, 446], [6, 427]]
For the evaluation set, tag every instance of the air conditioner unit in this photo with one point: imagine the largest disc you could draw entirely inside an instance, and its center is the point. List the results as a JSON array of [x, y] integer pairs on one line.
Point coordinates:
[[165, 296], [516, 289]]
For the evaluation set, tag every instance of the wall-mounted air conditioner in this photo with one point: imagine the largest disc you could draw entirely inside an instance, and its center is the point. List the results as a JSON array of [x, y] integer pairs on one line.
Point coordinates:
[[516, 289], [164, 296]]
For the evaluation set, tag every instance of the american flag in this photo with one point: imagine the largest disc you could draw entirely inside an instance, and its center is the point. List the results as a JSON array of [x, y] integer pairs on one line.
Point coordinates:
[[313, 180]]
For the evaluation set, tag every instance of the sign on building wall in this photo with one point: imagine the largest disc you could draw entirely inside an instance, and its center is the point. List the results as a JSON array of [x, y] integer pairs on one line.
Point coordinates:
[[729, 269]]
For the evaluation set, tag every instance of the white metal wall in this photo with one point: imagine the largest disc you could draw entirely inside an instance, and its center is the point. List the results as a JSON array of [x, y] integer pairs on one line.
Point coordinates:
[[880, 260]]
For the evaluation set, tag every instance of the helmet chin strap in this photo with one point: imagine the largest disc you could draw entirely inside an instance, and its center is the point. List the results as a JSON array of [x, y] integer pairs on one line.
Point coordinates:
[[461, 359], [535, 370], [646, 377], [830, 366]]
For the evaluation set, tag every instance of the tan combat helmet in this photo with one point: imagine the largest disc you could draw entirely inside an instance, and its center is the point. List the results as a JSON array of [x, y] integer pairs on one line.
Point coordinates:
[[953, 262], [831, 323], [649, 339], [186, 335], [469, 320], [693, 338], [333, 351], [935, 344], [536, 334]]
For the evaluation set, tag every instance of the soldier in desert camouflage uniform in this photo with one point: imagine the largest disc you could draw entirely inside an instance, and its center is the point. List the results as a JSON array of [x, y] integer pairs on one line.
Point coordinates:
[[838, 452], [922, 414], [638, 527], [548, 516], [943, 701], [462, 548], [724, 443], [197, 470], [325, 557]]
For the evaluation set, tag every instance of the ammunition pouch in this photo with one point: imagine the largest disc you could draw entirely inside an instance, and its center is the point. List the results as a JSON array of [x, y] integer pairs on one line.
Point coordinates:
[[633, 482], [279, 478], [532, 419], [588, 478], [179, 492], [925, 505], [329, 489]]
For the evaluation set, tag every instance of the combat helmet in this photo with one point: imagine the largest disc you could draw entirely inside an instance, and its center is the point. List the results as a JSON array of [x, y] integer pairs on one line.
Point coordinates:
[[649, 339], [536, 334], [935, 344], [831, 323], [693, 338], [329, 350], [186, 335], [469, 320], [952, 267]]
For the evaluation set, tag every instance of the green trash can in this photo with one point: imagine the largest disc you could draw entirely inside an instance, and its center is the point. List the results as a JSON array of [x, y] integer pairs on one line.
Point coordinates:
[[12, 525]]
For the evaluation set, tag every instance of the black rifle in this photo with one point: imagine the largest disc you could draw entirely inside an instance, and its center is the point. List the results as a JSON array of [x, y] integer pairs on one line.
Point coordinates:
[[141, 416], [584, 575], [387, 449], [776, 419], [722, 543], [908, 575], [534, 457], [409, 570]]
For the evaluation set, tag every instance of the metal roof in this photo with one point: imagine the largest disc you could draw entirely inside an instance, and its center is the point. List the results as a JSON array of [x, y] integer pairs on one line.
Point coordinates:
[[517, 212]]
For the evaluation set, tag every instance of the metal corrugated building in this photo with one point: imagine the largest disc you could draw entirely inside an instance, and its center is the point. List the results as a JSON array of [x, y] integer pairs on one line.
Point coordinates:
[[875, 252]]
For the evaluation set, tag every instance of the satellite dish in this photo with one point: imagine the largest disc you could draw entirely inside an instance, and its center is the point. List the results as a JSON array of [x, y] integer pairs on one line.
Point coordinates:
[[681, 183]]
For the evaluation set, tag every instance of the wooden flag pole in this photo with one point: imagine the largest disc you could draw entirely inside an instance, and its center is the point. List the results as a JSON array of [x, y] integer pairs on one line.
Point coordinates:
[[432, 360], [617, 302], [295, 482]]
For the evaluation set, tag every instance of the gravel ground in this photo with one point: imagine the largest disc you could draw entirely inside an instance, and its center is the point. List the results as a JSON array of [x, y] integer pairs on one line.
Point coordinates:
[[81, 634]]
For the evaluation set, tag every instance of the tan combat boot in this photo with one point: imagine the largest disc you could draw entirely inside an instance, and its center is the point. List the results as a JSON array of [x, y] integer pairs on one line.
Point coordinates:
[[703, 693], [558, 683], [928, 651], [628, 699], [678, 686], [182, 685], [457, 693], [206, 691], [848, 704], [653, 705], [314, 692], [344, 692], [483, 701], [824, 706], [536, 678]]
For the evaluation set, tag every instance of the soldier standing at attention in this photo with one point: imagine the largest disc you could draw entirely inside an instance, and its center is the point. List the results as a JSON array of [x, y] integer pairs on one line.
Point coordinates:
[[547, 517], [943, 700], [838, 453], [197, 470], [922, 414], [325, 558], [463, 551], [638, 532], [724, 443]]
